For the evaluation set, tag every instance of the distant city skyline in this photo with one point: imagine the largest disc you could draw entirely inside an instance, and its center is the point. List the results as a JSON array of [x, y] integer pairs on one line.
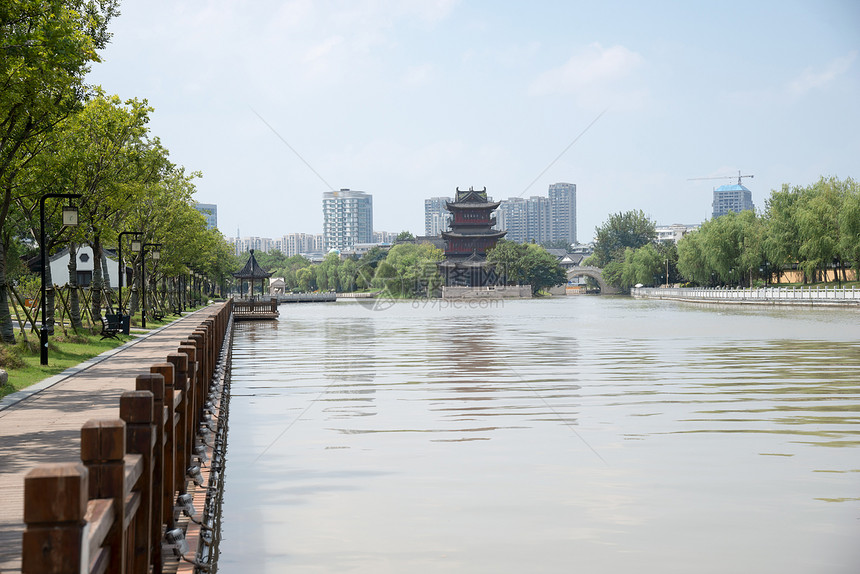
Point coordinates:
[[540, 218], [410, 100]]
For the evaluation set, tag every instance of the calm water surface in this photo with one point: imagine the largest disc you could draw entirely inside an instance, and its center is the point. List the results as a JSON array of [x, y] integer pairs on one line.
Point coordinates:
[[575, 434]]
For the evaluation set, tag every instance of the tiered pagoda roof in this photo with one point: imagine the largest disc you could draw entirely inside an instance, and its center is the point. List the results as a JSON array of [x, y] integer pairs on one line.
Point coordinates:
[[471, 225], [252, 270], [471, 199]]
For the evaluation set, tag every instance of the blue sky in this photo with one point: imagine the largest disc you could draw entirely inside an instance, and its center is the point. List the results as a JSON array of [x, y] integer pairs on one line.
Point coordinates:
[[407, 100]]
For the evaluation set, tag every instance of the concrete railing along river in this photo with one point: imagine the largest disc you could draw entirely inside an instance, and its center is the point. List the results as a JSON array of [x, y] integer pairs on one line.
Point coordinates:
[[761, 295]]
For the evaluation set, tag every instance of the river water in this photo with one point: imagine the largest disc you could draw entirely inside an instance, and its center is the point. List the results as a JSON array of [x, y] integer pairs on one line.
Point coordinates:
[[589, 434]]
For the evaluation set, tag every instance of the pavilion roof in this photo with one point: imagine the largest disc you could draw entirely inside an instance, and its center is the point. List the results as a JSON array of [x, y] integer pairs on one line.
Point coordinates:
[[252, 270]]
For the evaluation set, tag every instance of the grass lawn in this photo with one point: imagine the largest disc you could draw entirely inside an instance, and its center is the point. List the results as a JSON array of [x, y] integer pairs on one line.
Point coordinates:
[[21, 360]]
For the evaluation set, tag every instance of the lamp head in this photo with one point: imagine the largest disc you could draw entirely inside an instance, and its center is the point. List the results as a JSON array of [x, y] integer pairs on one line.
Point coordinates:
[[70, 215]]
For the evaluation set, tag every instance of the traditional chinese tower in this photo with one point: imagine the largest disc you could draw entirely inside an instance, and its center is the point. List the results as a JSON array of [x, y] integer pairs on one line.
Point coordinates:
[[470, 237]]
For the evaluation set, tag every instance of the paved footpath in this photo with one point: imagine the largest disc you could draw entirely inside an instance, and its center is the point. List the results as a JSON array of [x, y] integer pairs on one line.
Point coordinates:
[[43, 424]]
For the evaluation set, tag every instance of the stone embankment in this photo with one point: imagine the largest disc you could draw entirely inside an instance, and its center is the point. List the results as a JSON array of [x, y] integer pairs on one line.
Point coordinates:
[[808, 296]]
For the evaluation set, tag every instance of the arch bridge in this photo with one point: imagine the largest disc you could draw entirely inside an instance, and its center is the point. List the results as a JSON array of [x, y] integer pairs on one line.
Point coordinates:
[[595, 273]]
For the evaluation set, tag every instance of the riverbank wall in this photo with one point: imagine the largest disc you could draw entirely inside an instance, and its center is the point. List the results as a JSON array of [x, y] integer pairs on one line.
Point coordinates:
[[491, 292], [788, 296]]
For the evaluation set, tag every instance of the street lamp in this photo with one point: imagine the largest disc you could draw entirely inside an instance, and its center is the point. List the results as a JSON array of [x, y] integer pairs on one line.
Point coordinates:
[[70, 218], [156, 255], [135, 247]]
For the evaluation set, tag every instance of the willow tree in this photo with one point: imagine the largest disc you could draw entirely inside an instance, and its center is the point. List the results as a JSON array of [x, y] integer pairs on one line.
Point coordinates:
[[848, 219]]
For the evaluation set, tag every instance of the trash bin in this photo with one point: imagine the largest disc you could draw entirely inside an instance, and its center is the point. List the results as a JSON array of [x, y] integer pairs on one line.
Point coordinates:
[[126, 323]]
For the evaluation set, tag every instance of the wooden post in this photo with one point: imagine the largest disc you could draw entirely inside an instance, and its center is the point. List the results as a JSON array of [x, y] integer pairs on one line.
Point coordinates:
[[180, 386], [166, 370], [212, 345], [190, 412], [103, 453], [200, 339], [136, 408], [55, 504], [154, 383]]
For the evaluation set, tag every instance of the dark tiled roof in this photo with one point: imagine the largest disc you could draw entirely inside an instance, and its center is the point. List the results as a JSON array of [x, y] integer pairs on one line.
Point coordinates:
[[251, 270]]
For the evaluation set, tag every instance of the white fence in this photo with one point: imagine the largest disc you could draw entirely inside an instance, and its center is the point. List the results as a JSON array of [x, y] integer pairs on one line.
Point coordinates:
[[776, 295]]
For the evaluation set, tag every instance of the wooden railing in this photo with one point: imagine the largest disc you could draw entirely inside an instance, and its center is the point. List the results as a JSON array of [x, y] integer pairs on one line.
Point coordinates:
[[110, 512], [253, 309]]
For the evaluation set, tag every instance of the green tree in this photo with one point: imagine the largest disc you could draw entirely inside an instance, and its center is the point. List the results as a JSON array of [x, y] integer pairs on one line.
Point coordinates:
[[409, 270], [637, 266], [818, 226], [386, 278], [782, 240], [305, 279], [527, 264], [326, 273], [46, 48], [542, 269], [347, 273], [556, 244], [508, 257], [848, 220], [692, 262], [622, 230]]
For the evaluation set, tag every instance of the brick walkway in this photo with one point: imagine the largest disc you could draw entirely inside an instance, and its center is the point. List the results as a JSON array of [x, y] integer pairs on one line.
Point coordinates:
[[45, 426]]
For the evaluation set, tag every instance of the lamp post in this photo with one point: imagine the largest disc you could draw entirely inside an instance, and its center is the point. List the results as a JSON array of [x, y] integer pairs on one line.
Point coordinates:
[[156, 255], [70, 218], [135, 246]]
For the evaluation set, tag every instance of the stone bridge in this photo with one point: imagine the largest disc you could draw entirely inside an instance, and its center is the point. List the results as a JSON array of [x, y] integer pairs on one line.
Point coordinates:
[[595, 273]]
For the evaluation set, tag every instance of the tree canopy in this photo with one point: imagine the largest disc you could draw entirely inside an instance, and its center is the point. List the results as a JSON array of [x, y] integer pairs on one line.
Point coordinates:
[[814, 228], [58, 134], [527, 264]]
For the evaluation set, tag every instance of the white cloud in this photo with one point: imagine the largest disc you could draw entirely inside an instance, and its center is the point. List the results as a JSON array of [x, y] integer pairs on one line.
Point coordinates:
[[419, 76], [434, 10], [811, 79], [595, 75], [323, 49]]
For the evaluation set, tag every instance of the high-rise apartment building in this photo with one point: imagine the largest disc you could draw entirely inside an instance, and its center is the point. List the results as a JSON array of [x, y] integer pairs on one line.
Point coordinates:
[[735, 198], [347, 218], [384, 236], [245, 244], [436, 218], [539, 218], [562, 206], [513, 217], [210, 212], [297, 243]]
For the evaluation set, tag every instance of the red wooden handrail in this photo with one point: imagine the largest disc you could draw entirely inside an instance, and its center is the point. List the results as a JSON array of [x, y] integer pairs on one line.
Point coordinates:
[[107, 513]]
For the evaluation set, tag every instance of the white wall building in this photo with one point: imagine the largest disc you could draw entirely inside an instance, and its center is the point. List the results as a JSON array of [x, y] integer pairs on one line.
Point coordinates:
[[673, 233], [59, 263]]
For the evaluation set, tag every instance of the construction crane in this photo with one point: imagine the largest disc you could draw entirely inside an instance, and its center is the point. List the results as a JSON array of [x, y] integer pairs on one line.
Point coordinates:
[[722, 177]]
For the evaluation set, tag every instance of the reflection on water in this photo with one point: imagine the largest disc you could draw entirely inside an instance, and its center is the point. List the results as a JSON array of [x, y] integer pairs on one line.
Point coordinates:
[[601, 434]]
